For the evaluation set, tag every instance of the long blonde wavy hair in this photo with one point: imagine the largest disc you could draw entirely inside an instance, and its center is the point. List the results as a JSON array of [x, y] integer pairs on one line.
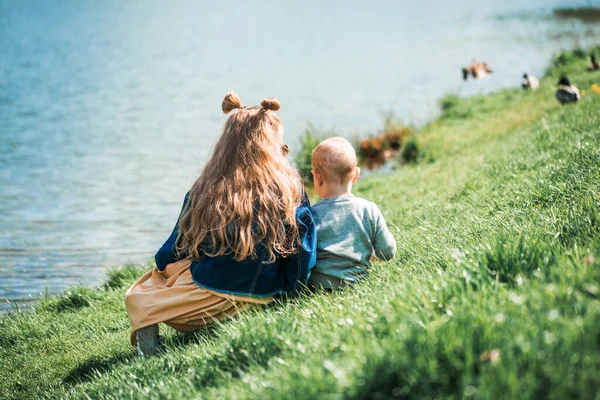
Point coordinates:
[[248, 192]]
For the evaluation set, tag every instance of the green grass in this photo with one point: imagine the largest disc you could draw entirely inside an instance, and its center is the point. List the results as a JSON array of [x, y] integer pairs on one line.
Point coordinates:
[[498, 250]]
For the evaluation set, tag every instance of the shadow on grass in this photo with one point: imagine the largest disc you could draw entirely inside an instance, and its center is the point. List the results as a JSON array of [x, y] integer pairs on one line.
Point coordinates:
[[182, 339], [88, 370], [235, 360], [85, 372]]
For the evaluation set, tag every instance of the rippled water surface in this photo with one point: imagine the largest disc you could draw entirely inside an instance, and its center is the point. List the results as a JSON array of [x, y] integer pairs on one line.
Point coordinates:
[[109, 109]]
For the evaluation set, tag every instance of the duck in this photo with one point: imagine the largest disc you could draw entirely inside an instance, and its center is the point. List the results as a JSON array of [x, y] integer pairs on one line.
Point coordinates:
[[530, 82], [566, 93], [477, 70], [594, 65]]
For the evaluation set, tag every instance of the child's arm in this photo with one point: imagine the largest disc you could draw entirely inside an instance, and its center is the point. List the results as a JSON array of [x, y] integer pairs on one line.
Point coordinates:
[[167, 253], [384, 244]]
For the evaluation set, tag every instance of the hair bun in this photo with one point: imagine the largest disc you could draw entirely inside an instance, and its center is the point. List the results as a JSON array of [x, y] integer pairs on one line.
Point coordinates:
[[270, 104], [231, 102]]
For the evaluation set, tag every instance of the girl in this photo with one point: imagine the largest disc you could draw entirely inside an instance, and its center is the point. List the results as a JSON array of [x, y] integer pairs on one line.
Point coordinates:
[[244, 235]]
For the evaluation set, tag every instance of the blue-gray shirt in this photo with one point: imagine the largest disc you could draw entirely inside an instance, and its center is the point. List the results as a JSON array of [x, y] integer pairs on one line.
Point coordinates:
[[350, 230]]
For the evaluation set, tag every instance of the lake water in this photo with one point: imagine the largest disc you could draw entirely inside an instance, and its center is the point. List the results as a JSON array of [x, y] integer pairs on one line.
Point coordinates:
[[109, 109]]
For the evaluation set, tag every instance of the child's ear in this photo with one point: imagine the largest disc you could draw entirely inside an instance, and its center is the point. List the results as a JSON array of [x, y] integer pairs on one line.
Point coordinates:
[[356, 175], [316, 176]]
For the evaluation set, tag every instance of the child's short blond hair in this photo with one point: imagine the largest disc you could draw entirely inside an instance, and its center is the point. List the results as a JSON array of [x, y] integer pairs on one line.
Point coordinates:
[[335, 160]]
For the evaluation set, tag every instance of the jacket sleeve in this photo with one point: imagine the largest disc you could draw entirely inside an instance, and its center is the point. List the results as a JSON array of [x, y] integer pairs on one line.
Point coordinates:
[[299, 265], [167, 254]]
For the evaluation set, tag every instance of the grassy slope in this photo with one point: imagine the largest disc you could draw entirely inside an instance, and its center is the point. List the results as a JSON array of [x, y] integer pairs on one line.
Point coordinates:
[[496, 245]]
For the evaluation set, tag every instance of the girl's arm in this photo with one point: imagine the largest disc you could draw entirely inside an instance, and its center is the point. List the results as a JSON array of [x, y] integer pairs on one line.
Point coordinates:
[[167, 254], [298, 266]]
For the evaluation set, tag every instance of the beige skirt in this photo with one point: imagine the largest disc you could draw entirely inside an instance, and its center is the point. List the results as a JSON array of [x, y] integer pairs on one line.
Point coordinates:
[[172, 297]]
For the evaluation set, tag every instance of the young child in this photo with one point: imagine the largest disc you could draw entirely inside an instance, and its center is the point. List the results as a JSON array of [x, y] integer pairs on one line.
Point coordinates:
[[245, 233], [350, 230]]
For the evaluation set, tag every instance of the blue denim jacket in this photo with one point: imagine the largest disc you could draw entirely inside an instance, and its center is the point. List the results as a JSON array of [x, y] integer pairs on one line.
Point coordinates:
[[251, 277]]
